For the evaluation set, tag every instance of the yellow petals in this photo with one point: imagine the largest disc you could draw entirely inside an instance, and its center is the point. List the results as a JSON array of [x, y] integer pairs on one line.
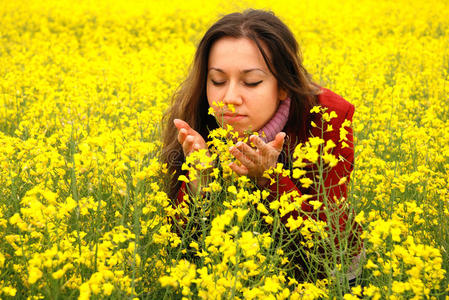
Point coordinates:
[[194, 245], [298, 173], [262, 208], [316, 109], [268, 219], [306, 182], [316, 204], [183, 178], [232, 189], [293, 223], [34, 274], [342, 180]]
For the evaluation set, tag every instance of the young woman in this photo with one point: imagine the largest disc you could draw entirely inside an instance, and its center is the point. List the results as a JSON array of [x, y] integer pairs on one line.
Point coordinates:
[[251, 60]]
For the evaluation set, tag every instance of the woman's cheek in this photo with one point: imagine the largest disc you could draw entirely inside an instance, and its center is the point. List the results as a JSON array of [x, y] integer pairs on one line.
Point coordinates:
[[214, 95]]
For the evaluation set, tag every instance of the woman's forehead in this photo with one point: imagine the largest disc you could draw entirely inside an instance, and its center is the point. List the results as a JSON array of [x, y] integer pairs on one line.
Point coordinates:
[[241, 53]]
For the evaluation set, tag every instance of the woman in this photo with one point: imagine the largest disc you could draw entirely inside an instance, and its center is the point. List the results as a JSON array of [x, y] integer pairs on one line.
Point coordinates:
[[250, 61]]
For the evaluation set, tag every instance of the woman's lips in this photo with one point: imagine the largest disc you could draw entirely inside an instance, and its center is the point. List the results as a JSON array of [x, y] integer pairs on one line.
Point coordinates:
[[232, 117]]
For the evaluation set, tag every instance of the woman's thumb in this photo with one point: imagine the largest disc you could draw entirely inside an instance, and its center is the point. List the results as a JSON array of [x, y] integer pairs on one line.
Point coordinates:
[[278, 142], [181, 124]]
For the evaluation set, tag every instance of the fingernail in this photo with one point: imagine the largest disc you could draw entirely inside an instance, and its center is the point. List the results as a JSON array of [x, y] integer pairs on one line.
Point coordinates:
[[238, 144]]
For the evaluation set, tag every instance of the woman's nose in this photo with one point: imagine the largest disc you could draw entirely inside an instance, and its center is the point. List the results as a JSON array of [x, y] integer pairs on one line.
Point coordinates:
[[232, 95]]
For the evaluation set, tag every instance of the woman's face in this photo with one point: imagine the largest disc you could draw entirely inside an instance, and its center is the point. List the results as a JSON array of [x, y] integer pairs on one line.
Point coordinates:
[[237, 75]]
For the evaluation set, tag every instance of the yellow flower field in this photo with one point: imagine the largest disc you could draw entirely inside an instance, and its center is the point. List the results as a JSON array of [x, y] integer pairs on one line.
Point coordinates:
[[83, 212]]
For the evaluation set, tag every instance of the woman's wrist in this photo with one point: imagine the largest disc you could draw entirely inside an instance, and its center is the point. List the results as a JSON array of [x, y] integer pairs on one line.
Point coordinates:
[[262, 182], [196, 186]]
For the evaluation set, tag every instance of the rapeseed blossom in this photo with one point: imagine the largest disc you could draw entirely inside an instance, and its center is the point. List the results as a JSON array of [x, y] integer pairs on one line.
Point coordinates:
[[83, 212]]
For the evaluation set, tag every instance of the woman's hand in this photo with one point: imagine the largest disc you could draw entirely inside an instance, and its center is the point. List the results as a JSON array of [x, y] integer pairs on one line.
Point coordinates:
[[254, 162], [188, 137], [191, 141]]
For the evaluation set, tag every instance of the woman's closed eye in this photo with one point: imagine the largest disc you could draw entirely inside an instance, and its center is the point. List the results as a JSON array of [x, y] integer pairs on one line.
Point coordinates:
[[250, 84], [253, 83], [217, 82]]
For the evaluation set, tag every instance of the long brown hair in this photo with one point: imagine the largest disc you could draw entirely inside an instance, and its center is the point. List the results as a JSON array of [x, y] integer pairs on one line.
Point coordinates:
[[284, 61]]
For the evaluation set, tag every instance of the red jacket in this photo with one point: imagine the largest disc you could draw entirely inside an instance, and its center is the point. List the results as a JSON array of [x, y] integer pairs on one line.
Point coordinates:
[[345, 111]]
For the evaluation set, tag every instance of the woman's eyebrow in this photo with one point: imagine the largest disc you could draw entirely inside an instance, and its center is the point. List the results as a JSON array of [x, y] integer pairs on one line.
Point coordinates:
[[243, 71], [254, 69]]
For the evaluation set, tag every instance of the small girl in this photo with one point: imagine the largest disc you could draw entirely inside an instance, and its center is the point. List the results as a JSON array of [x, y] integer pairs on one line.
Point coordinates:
[[250, 61]]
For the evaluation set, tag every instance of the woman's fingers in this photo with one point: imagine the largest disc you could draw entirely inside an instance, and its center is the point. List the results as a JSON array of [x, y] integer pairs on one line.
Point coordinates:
[[267, 148], [182, 134], [184, 129], [245, 160], [256, 161], [263, 148], [278, 141], [248, 151], [239, 169], [188, 144], [253, 161], [181, 124], [260, 145], [188, 137]]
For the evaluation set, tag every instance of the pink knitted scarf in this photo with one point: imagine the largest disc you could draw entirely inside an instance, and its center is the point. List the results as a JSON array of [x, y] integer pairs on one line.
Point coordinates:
[[277, 123]]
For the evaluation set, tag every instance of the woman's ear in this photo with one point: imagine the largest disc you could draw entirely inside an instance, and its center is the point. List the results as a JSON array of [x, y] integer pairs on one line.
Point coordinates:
[[283, 94]]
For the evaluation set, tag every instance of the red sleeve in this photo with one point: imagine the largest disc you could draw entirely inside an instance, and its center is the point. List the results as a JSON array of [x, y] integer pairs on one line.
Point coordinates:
[[181, 193], [344, 167]]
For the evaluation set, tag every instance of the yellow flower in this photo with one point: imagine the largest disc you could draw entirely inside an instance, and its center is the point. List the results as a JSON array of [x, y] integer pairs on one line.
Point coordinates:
[[268, 219], [194, 245], [316, 204], [298, 173], [360, 218], [271, 285], [306, 182], [342, 180], [84, 291], [262, 208], [357, 290], [293, 223], [232, 189], [9, 291], [107, 288], [183, 178], [316, 109], [168, 281], [58, 274], [34, 274]]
